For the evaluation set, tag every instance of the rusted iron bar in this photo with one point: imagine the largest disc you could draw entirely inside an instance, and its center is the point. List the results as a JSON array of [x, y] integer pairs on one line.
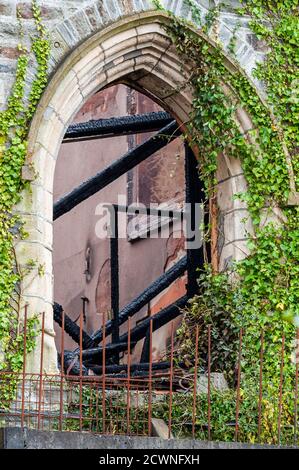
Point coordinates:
[[104, 374], [41, 368], [238, 386], [115, 127], [280, 389], [81, 372], [96, 424], [129, 378], [164, 281], [92, 389], [61, 373], [171, 381], [296, 386], [116, 169], [195, 382], [71, 328], [24, 366], [209, 380], [261, 387], [150, 377]]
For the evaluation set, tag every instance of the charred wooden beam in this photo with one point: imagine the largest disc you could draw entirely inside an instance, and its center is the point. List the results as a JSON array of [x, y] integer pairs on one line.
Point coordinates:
[[139, 332], [72, 364], [115, 369], [145, 354], [71, 328], [164, 281], [114, 127], [72, 367], [114, 268], [72, 361], [116, 169], [194, 196], [139, 374], [72, 358], [111, 350], [159, 319]]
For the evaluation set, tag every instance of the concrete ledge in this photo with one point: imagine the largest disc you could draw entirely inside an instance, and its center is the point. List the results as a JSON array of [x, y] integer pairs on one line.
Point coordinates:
[[17, 438]]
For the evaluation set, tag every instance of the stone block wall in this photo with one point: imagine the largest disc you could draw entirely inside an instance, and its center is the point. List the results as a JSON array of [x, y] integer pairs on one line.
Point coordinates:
[[72, 21]]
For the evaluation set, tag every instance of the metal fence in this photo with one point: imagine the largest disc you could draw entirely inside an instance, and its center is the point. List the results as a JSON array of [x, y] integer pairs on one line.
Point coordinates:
[[123, 399]]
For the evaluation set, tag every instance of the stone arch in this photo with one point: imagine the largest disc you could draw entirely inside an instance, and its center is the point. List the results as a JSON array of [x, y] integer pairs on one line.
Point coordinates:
[[137, 52]]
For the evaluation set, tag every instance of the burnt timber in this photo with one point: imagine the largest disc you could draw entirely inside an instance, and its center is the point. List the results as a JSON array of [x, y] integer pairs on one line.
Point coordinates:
[[115, 127], [116, 169], [94, 354], [164, 281]]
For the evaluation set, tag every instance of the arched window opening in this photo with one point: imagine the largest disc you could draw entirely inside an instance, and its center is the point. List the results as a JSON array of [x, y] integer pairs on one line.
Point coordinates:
[[124, 167]]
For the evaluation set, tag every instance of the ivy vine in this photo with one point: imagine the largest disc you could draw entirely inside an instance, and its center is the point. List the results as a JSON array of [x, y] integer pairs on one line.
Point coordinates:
[[14, 126], [264, 293]]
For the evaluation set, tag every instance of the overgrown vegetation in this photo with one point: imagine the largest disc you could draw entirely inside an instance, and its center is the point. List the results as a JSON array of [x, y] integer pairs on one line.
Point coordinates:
[[261, 292], [118, 419], [14, 127]]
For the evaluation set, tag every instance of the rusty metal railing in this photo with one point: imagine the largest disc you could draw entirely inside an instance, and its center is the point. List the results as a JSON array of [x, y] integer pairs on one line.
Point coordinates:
[[126, 403]]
